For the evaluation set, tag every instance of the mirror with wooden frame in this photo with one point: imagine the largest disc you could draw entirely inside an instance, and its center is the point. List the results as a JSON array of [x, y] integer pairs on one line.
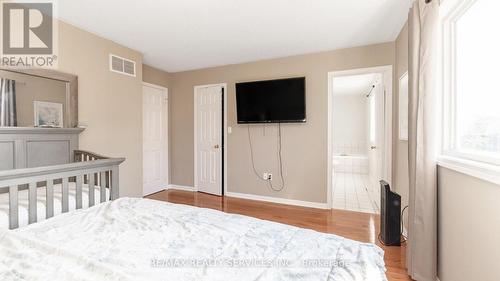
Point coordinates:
[[38, 98]]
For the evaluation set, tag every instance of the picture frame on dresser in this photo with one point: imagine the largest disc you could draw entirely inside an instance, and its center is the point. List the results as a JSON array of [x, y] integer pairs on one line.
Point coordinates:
[[48, 114]]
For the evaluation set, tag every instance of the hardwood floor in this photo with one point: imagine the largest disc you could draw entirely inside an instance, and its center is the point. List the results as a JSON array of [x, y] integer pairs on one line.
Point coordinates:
[[357, 226]]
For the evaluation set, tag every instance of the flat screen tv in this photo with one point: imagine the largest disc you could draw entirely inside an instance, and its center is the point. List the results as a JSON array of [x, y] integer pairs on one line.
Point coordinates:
[[271, 101]]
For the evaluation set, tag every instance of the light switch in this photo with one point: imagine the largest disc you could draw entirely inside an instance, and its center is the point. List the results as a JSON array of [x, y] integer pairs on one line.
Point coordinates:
[[229, 130]]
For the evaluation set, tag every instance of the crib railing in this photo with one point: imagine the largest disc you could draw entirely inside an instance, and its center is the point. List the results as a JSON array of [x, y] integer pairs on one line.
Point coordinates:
[[83, 156], [102, 171]]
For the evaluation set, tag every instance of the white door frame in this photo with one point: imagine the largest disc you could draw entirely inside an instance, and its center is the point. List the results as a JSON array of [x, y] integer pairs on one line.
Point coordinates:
[[387, 73], [167, 154], [224, 137]]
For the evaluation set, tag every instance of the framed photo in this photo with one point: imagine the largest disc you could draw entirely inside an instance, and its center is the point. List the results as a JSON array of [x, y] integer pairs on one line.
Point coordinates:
[[48, 114], [403, 107]]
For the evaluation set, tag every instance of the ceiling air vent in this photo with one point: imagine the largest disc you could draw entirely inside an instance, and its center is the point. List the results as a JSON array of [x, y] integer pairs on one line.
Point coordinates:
[[121, 65]]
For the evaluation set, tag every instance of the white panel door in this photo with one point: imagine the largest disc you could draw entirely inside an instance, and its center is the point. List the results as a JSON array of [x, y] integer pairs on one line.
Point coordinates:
[[376, 135], [155, 133], [208, 139]]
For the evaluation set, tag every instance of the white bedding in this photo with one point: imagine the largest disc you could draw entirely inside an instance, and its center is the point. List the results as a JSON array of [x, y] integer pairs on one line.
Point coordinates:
[[141, 239], [41, 203]]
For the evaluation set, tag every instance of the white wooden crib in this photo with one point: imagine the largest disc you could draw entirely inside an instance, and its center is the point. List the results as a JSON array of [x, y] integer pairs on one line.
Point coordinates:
[[92, 171]]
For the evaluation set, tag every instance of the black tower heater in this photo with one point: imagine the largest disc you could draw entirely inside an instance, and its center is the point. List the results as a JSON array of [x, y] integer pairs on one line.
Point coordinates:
[[390, 216]]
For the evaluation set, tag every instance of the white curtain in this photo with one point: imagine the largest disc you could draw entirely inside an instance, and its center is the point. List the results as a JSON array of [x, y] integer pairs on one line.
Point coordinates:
[[8, 116], [422, 139]]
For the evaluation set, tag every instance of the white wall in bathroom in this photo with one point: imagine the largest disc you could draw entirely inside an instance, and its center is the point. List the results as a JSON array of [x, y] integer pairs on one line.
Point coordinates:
[[350, 124]]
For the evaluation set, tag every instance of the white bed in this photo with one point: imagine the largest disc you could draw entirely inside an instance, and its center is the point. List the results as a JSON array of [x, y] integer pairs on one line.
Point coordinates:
[[141, 239], [41, 203]]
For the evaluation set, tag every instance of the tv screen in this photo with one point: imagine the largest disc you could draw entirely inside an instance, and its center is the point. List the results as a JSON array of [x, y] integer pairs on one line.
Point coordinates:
[[271, 101]]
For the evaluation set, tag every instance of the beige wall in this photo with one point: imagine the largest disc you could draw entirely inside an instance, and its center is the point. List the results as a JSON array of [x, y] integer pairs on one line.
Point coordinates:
[[109, 103], [469, 228], [304, 145], [156, 76], [400, 149], [32, 88]]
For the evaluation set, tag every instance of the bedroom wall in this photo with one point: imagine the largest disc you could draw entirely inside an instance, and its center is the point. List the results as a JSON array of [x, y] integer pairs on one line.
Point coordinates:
[[468, 227], [304, 145], [110, 104], [156, 76]]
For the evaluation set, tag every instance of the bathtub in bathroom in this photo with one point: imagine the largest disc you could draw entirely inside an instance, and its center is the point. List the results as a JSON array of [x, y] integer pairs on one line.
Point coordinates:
[[350, 163]]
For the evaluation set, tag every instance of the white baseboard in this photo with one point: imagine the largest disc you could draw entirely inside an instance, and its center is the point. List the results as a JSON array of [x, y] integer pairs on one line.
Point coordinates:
[[278, 200], [181, 187], [260, 198]]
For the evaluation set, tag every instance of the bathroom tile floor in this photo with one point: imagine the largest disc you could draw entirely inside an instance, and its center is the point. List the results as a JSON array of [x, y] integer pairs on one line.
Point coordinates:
[[354, 192]]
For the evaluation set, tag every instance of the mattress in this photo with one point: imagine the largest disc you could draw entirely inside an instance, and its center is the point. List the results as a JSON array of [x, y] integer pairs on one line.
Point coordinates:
[[41, 203], [141, 239]]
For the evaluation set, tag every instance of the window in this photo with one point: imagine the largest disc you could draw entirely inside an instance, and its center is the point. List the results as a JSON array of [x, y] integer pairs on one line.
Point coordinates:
[[471, 58]]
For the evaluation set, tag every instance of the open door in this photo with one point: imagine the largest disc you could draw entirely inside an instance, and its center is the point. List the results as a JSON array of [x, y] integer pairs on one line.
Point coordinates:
[[376, 135]]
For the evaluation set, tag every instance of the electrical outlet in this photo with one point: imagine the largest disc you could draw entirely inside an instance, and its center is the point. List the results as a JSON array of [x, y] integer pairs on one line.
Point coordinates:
[[265, 176], [270, 176]]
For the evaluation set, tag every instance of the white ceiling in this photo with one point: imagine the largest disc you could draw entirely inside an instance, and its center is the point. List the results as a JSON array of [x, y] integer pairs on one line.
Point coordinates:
[[178, 35], [354, 84]]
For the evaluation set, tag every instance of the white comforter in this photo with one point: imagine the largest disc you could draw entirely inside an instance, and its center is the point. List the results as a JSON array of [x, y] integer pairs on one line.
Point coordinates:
[[23, 203], [141, 239]]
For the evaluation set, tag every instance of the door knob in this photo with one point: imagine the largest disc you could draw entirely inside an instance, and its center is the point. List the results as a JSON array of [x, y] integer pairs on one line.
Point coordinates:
[[216, 146], [373, 147]]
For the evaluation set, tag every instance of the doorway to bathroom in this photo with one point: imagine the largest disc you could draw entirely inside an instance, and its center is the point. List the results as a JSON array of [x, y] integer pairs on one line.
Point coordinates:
[[359, 138]]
